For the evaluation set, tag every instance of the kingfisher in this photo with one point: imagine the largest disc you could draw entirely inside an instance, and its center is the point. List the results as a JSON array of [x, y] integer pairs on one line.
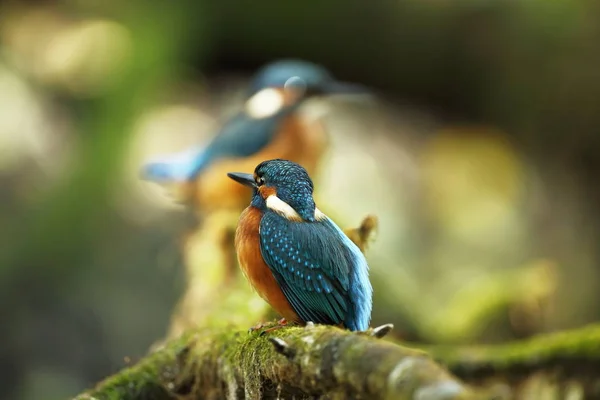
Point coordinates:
[[296, 258], [269, 126]]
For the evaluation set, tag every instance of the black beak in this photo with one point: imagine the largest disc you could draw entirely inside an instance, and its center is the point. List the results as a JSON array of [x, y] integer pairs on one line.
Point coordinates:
[[335, 87], [244, 179]]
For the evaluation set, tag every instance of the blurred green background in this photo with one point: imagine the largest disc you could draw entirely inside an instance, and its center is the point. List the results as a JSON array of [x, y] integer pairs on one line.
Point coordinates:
[[481, 157]]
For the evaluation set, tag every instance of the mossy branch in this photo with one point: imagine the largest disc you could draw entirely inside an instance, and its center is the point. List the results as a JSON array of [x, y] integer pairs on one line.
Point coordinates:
[[574, 352], [286, 363]]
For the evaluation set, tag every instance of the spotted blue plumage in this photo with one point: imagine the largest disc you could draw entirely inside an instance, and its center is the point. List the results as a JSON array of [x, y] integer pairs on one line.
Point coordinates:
[[321, 272], [305, 264], [361, 291]]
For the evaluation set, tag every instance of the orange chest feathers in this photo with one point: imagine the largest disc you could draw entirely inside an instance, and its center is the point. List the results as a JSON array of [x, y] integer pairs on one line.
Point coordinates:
[[297, 141], [247, 244]]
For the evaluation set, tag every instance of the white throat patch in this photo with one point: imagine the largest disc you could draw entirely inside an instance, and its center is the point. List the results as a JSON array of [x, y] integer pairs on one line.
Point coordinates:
[[285, 210], [319, 215], [282, 208], [264, 103]]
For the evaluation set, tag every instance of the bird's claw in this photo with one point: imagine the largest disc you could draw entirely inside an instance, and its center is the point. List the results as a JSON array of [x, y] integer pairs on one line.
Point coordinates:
[[257, 327], [282, 347], [269, 326], [381, 331], [282, 323]]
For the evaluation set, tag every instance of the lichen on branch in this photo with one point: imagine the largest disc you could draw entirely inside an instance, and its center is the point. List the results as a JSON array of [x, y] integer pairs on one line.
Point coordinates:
[[290, 362]]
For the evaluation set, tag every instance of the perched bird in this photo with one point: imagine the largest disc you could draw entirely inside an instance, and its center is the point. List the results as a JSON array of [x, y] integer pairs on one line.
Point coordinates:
[[269, 126], [296, 258]]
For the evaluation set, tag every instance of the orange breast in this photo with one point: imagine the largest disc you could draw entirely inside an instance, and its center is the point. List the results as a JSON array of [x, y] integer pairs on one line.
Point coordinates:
[[247, 244], [296, 141]]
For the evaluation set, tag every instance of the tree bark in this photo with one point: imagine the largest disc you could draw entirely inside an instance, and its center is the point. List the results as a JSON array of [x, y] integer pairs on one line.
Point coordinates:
[[324, 361], [556, 365], [292, 362]]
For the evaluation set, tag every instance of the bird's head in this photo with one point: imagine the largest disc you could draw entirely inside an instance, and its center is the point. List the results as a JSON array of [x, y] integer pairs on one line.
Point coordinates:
[[281, 186], [287, 82]]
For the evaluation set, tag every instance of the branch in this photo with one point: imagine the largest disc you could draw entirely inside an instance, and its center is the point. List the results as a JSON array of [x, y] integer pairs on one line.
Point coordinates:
[[326, 361], [575, 352], [285, 363]]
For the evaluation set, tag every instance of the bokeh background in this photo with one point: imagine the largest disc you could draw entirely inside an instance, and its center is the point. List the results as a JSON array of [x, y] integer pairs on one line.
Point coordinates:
[[480, 153]]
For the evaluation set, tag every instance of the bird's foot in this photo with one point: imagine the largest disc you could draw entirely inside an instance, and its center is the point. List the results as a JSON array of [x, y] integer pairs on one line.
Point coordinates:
[[282, 323], [269, 326], [266, 327], [258, 326]]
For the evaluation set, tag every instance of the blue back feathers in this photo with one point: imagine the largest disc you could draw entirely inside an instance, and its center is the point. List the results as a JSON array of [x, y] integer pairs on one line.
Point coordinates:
[[244, 135], [307, 267], [361, 291], [241, 136], [322, 273]]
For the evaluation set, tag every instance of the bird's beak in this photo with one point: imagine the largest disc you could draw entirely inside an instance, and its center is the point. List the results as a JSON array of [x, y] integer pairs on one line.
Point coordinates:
[[244, 179], [344, 88]]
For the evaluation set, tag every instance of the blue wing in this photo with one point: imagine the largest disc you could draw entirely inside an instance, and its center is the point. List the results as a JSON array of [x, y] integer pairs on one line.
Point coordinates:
[[316, 270], [241, 136]]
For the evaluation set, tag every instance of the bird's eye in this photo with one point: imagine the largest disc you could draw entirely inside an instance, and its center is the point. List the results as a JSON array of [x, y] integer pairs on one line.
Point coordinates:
[[260, 180]]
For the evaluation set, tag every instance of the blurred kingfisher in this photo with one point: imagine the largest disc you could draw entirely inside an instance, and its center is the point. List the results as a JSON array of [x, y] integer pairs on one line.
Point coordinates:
[[296, 258], [268, 127]]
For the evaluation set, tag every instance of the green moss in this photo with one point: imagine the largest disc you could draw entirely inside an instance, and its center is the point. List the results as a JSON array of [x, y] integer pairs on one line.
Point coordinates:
[[217, 362], [579, 344], [251, 351], [242, 356], [212, 363]]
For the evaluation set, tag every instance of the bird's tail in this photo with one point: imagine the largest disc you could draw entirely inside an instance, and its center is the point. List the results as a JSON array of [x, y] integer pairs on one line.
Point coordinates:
[[178, 167]]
